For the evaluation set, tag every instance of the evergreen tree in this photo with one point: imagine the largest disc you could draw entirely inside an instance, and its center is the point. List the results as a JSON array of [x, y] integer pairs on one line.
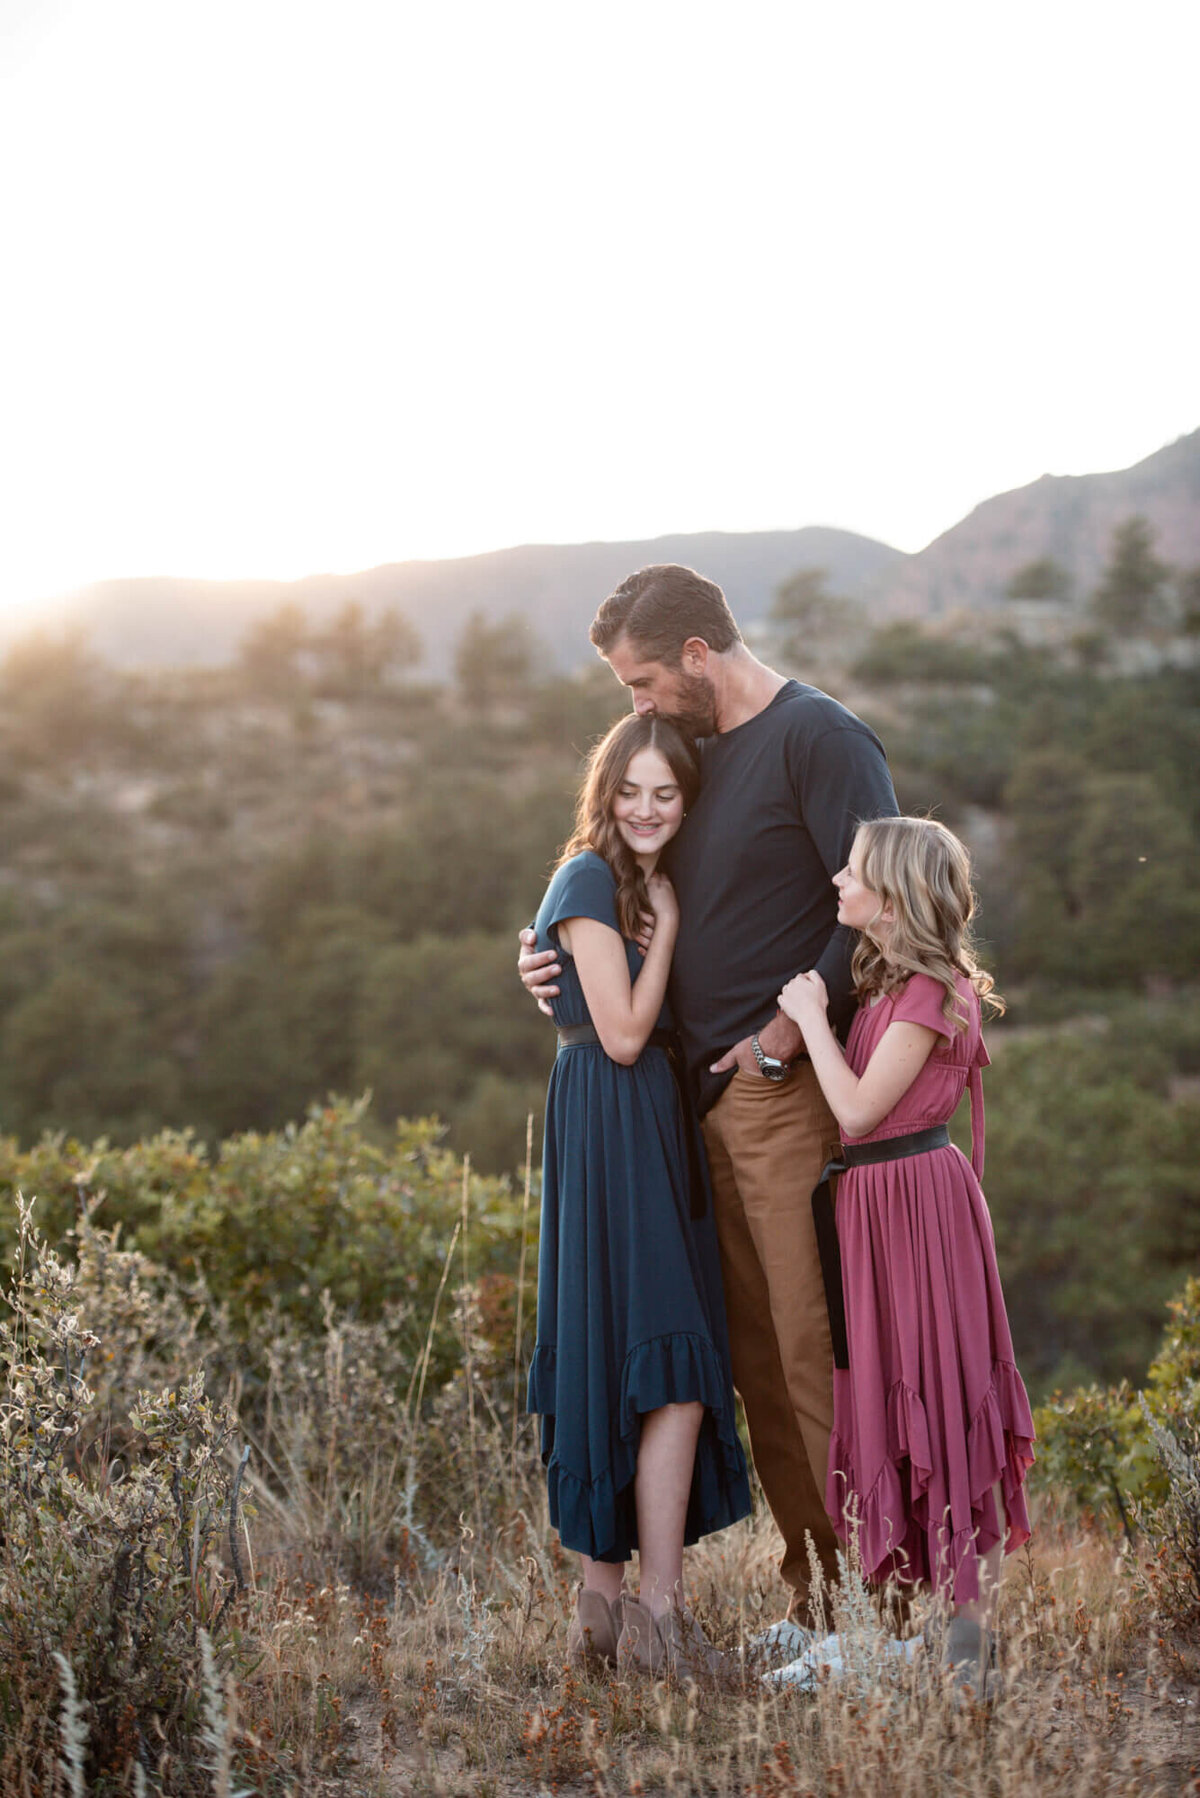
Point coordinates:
[[810, 619], [270, 654], [1131, 597], [493, 663], [53, 691], [395, 644], [345, 655], [1187, 587], [1043, 578]]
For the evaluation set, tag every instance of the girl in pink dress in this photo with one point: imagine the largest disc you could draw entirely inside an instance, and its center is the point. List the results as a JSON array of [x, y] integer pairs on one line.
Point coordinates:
[[932, 1431]]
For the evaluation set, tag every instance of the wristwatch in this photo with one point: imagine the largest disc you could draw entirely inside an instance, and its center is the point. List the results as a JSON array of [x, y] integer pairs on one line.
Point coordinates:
[[768, 1065]]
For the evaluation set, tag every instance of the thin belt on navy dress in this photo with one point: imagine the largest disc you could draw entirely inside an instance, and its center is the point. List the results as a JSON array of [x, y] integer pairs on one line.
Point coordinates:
[[574, 1036], [856, 1154]]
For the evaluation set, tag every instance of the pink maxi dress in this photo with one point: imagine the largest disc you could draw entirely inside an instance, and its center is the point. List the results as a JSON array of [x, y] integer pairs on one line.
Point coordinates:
[[932, 1414]]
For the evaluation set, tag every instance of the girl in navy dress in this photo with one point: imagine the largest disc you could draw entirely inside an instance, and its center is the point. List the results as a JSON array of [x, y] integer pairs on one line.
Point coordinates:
[[631, 1371]]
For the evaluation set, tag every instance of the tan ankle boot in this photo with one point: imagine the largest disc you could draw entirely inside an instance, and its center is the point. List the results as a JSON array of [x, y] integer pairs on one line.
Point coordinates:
[[639, 1649], [671, 1645], [595, 1625]]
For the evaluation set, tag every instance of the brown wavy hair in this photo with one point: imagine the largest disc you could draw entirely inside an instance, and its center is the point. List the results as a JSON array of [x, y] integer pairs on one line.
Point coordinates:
[[595, 827], [923, 872]]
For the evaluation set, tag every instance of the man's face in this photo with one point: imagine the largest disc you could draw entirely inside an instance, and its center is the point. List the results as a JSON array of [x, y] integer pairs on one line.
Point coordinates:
[[686, 700]]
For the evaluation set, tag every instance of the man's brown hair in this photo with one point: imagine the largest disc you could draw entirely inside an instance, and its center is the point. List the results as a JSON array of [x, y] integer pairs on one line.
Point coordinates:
[[659, 608]]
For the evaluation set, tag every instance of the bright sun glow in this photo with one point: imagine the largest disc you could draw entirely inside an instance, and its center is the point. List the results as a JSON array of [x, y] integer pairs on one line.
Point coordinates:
[[296, 287]]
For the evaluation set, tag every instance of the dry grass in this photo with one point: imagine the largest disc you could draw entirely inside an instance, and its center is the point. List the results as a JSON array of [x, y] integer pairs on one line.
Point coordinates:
[[455, 1683], [403, 1626]]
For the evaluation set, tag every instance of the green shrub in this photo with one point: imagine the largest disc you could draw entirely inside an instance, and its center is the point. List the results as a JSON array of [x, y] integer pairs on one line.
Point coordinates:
[[272, 1222], [906, 652], [1171, 1529], [320, 1276], [1093, 1452], [1170, 1516], [1174, 1375], [1097, 1448], [109, 1576], [1095, 1196]]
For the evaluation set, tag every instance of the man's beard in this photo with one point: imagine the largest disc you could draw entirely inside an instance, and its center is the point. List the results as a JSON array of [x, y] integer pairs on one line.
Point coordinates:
[[694, 706]]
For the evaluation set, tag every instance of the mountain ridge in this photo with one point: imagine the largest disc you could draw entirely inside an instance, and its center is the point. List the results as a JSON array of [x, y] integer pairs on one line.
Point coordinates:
[[167, 620], [1070, 518], [158, 621]]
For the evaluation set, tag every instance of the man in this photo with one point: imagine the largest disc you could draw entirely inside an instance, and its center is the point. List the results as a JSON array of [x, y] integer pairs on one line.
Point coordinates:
[[787, 774]]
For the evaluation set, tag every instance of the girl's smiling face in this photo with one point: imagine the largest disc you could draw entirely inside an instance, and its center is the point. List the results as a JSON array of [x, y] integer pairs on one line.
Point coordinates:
[[858, 906], [648, 807]]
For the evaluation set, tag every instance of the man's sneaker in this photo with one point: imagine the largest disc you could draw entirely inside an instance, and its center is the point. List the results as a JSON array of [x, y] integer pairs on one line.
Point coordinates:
[[772, 1647], [831, 1658]]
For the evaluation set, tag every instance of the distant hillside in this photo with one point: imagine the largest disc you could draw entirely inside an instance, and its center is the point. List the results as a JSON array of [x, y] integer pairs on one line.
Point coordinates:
[[1069, 517], [168, 622]]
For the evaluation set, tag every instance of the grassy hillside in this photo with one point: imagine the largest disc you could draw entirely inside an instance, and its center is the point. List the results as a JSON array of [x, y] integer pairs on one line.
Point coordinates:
[[226, 893], [272, 1521], [552, 589]]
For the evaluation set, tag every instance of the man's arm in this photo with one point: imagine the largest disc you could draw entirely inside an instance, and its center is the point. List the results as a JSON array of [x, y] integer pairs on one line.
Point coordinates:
[[845, 782], [779, 1039]]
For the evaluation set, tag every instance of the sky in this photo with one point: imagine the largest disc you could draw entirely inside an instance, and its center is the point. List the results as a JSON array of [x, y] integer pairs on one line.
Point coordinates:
[[293, 288]]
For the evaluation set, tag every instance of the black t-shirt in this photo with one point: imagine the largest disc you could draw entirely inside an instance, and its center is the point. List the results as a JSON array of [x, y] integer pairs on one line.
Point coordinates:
[[781, 797]]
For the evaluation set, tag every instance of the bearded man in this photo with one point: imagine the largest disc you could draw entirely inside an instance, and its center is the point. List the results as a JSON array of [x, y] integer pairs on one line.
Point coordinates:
[[787, 775]]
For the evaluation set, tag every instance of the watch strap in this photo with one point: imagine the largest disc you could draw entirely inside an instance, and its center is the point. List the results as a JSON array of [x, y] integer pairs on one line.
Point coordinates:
[[768, 1065]]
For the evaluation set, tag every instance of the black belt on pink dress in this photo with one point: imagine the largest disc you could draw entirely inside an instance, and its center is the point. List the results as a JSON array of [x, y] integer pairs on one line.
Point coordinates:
[[856, 1154], [572, 1036]]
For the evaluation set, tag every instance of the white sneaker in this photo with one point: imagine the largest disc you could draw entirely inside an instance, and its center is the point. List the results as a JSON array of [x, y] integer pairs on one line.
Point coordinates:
[[783, 1641], [830, 1658], [804, 1671]]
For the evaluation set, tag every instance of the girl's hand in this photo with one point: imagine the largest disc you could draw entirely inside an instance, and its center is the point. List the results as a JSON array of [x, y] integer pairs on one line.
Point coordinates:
[[663, 902], [804, 998]]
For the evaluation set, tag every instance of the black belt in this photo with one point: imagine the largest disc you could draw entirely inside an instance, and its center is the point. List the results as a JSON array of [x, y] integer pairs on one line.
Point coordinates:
[[856, 1154], [576, 1036]]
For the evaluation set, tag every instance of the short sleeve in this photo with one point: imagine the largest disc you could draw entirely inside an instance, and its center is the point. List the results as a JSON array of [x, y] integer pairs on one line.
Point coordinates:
[[920, 1001], [841, 780], [584, 887]]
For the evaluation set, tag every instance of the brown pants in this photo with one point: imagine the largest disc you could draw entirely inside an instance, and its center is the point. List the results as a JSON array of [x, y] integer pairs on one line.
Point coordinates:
[[767, 1143]]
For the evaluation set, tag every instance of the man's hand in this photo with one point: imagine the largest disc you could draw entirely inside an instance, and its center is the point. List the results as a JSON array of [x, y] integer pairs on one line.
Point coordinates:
[[740, 1056], [779, 1039], [535, 969], [645, 930]]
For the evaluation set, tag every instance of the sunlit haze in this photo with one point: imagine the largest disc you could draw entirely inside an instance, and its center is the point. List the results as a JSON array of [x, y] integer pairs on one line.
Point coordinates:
[[293, 287]]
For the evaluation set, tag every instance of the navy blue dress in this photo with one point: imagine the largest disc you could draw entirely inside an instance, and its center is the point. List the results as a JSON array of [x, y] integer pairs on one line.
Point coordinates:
[[630, 1309]]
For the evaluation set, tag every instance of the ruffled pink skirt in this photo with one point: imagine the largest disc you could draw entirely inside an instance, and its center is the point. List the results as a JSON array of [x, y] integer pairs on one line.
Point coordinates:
[[932, 1415]]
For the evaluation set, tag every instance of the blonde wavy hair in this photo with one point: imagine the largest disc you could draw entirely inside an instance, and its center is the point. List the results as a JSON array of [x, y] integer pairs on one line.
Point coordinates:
[[921, 870], [595, 827]]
